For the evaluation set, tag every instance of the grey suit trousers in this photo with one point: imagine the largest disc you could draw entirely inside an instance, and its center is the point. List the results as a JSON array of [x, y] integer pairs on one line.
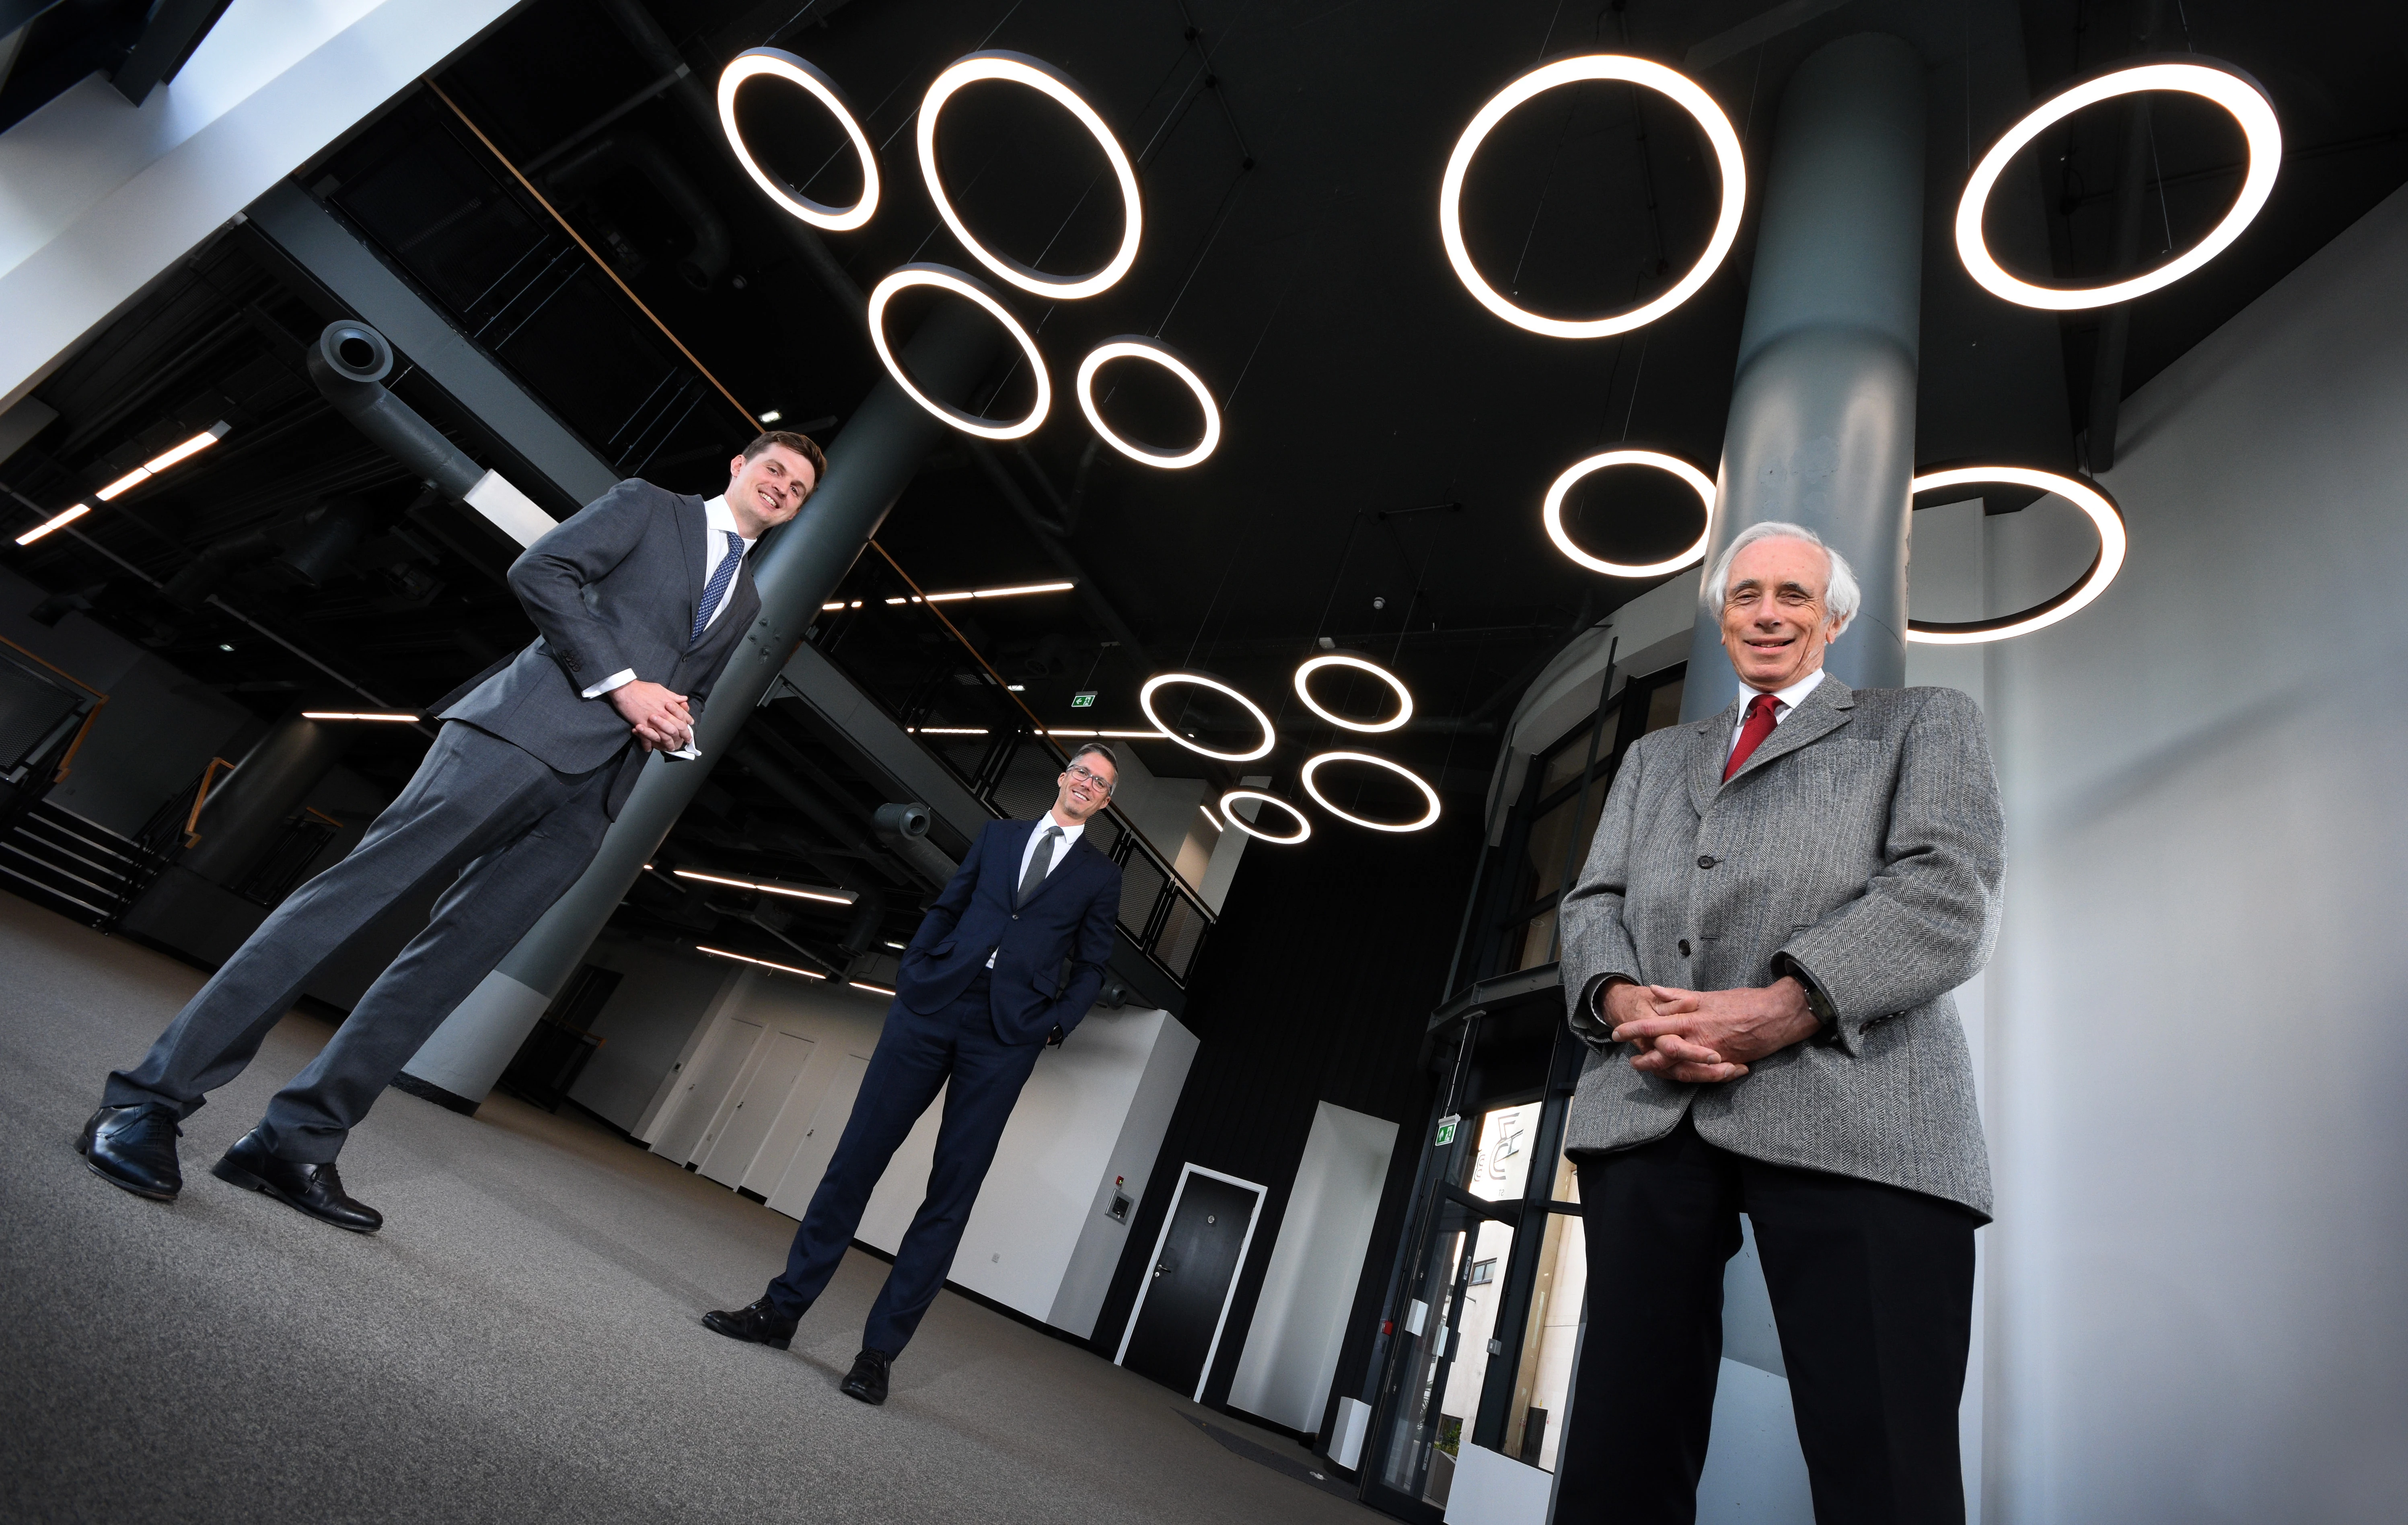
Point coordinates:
[[517, 834]]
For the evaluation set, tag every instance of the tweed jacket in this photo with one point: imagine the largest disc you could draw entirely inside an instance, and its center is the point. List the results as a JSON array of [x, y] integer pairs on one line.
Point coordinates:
[[613, 588], [1859, 849]]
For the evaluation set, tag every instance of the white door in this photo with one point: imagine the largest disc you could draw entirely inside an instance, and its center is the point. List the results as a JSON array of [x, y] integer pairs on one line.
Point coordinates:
[[793, 1193], [746, 1123], [708, 1080]]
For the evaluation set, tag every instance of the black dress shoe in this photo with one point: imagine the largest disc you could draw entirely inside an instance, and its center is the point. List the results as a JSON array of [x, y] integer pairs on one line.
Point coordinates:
[[867, 1381], [135, 1147], [314, 1189], [757, 1322]]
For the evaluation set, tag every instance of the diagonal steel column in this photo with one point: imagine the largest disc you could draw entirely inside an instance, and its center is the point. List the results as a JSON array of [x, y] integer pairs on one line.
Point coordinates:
[[869, 464], [1822, 417]]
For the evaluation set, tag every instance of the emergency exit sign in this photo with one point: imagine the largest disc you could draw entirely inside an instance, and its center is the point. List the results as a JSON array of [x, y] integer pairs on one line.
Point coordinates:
[[1446, 1126], [1083, 700]]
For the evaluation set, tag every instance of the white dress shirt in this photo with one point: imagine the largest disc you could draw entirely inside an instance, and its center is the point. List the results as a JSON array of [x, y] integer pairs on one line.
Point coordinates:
[[1786, 700], [1069, 839], [719, 521]]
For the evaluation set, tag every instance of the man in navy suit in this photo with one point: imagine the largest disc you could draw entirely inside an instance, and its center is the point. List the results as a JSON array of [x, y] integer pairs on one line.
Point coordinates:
[[982, 992]]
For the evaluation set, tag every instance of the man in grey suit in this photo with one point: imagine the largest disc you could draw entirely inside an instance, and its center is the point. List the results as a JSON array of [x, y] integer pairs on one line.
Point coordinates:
[[1759, 953], [639, 598]]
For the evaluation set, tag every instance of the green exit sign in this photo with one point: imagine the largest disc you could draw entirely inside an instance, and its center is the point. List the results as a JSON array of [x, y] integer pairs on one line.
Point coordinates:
[[1085, 700], [1446, 1126]]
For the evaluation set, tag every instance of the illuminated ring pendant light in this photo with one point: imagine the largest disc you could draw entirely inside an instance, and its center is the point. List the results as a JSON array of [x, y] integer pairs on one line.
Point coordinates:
[[2104, 516], [1164, 680], [2226, 87], [1553, 514], [1313, 764], [1343, 659], [778, 64], [1051, 82], [1138, 347], [945, 278], [1637, 71], [1303, 825]]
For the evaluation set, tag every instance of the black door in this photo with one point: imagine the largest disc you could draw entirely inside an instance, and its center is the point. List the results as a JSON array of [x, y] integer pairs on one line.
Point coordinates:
[[1190, 1282]]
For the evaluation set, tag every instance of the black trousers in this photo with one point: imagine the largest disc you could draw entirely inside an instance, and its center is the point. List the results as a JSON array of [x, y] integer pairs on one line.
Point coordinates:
[[515, 833], [1872, 1291], [982, 1076]]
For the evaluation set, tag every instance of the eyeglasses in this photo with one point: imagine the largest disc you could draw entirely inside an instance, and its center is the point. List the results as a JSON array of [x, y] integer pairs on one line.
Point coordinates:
[[1075, 770]]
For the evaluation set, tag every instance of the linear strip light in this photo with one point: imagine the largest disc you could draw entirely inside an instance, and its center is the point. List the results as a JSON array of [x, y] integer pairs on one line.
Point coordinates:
[[777, 64], [748, 959], [944, 278], [1699, 483], [1051, 82], [865, 984], [57, 521], [358, 714], [1118, 736], [1344, 659], [771, 887], [947, 730], [1164, 680], [1314, 765], [157, 464], [1228, 808], [2221, 83], [2105, 517], [1138, 347], [974, 593], [1685, 93], [1205, 811]]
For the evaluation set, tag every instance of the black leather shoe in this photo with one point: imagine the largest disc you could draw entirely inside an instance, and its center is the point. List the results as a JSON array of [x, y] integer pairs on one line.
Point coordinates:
[[757, 1323], [314, 1189], [135, 1147], [867, 1381]]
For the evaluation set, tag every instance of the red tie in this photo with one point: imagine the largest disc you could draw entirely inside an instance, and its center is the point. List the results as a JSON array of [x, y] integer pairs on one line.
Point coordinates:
[[1752, 735]]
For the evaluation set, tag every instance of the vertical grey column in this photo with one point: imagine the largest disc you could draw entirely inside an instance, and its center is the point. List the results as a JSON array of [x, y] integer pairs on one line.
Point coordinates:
[[869, 464], [1822, 417], [243, 816]]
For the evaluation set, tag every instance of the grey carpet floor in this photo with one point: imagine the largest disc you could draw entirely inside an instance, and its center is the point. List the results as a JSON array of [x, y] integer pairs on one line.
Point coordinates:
[[519, 1343]]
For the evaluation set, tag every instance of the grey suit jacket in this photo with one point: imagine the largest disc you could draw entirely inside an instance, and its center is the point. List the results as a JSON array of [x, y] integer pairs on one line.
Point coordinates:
[[1861, 849], [611, 588]]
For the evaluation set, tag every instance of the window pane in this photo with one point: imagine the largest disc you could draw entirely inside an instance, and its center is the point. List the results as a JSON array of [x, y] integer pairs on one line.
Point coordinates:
[[1543, 1375], [1543, 867], [1563, 764], [1538, 942], [1664, 706]]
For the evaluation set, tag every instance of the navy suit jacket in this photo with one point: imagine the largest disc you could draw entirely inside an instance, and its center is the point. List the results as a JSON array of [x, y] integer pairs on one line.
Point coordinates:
[[1070, 916]]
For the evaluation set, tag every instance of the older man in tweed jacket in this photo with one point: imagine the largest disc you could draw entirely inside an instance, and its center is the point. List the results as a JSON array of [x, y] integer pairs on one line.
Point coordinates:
[[1759, 953]]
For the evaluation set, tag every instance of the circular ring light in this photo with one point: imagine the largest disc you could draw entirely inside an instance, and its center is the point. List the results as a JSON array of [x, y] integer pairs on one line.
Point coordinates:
[[1699, 482], [1344, 659], [944, 278], [1313, 764], [776, 62], [2224, 86], [1637, 71], [1303, 824], [1138, 347], [1164, 680], [2104, 516], [1051, 82]]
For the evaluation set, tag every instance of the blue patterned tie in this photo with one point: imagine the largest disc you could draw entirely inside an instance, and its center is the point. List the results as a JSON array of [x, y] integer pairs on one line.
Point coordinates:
[[721, 576]]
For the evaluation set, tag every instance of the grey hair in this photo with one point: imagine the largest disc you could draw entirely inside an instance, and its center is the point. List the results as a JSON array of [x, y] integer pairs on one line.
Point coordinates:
[[1842, 598], [1107, 755]]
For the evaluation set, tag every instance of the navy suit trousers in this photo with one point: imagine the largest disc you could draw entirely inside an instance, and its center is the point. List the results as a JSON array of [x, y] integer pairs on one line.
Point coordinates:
[[915, 1055]]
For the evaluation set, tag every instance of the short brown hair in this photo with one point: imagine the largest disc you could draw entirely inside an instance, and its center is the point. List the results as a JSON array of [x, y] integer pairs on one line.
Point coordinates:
[[1104, 752], [800, 444]]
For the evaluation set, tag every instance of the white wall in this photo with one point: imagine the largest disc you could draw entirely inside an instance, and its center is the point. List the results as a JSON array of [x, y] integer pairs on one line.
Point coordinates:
[[1299, 1322], [2197, 1035], [660, 1002]]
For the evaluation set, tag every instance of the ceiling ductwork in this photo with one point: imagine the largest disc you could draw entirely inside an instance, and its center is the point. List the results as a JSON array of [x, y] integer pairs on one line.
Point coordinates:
[[595, 162]]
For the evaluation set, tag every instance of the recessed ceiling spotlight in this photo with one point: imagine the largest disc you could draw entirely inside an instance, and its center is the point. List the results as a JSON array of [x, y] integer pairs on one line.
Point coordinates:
[[772, 416], [1051, 82], [1165, 680], [777, 64], [1685, 93], [1315, 764], [2105, 517], [960, 284], [1229, 800], [1138, 347], [1552, 514], [1345, 659], [2220, 83], [226, 646]]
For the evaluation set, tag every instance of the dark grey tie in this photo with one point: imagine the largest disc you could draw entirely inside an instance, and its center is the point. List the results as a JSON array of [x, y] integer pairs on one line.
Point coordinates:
[[1039, 861]]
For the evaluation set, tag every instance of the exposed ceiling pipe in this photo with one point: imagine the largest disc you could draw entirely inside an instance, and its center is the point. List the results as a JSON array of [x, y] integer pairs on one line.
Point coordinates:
[[706, 261], [1089, 593], [755, 760]]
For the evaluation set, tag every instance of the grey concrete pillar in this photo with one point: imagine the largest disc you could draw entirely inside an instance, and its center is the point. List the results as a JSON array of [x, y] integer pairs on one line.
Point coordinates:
[[244, 813], [1822, 417], [869, 464]]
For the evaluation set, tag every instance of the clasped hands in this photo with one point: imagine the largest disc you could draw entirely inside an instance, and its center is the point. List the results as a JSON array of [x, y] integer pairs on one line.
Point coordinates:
[[1707, 1035], [658, 716]]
